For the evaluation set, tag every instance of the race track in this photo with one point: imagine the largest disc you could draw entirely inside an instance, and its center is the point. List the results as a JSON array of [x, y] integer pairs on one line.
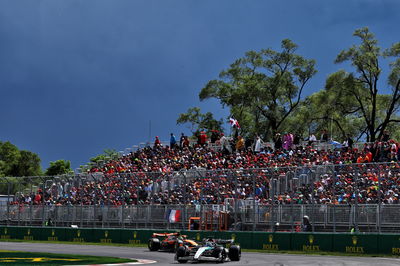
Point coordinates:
[[162, 258]]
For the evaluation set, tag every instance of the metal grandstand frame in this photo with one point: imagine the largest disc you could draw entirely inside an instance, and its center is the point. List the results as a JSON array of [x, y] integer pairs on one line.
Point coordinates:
[[208, 193]]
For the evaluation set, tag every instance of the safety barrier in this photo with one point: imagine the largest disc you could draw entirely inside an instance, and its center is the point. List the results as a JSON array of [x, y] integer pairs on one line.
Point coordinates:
[[272, 241]]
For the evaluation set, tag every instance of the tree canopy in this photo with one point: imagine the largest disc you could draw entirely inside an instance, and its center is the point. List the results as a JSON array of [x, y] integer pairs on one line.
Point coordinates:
[[264, 92], [59, 167], [199, 121], [262, 89], [15, 162], [354, 100]]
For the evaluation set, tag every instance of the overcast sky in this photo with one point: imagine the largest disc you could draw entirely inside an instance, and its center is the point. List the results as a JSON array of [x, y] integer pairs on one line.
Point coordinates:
[[78, 77]]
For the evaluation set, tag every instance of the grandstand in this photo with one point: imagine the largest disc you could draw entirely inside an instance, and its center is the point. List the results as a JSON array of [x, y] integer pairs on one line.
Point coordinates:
[[338, 188]]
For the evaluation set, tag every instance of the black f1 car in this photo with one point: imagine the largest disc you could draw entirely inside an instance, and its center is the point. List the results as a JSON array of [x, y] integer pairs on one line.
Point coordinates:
[[217, 250], [169, 242]]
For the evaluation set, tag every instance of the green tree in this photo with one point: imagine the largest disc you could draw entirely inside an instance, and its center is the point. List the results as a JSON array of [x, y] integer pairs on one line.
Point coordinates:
[[59, 167], [28, 165], [328, 109], [106, 155], [14, 162], [199, 121], [361, 87], [9, 158], [263, 88]]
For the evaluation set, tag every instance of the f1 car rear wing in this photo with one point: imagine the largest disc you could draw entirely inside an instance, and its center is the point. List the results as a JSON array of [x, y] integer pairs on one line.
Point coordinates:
[[220, 241], [224, 241], [167, 234]]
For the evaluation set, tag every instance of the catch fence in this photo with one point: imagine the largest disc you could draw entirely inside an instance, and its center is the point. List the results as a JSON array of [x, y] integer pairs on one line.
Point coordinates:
[[336, 198]]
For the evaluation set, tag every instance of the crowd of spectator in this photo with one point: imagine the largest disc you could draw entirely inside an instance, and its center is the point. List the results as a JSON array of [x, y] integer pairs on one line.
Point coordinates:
[[184, 173]]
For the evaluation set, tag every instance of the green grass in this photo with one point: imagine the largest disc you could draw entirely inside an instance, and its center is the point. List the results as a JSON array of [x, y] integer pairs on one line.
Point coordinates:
[[16, 258], [74, 243]]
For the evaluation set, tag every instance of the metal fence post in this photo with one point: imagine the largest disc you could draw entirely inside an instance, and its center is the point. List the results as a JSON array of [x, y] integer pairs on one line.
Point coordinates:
[[356, 199], [334, 203], [185, 201], [43, 200], [201, 197], [81, 207], [124, 195], [292, 200], [254, 202], [235, 198], [272, 198], [378, 222], [8, 201]]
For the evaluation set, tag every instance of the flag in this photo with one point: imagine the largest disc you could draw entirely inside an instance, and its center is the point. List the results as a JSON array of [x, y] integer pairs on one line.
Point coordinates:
[[174, 216], [234, 122]]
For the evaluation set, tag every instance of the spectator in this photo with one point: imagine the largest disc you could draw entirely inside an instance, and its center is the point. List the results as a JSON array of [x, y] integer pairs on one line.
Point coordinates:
[[287, 141], [49, 222], [203, 138], [393, 150], [258, 144], [147, 176], [157, 142], [172, 141], [385, 136], [225, 145], [214, 136], [306, 224], [348, 143], [311, 139], [186, 142], [324, 136], [239, 144], [278, 141], [296, 140], [181, 140]]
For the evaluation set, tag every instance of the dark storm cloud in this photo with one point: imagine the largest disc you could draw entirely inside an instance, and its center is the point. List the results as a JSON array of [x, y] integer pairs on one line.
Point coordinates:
[[80, 76]]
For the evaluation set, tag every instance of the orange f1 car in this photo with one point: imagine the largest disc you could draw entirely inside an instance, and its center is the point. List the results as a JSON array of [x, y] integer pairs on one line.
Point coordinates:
[[169, 242]]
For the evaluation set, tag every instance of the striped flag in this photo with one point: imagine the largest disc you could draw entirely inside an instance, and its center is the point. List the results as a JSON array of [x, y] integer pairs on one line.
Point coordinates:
[[174, 216], [234, 122]]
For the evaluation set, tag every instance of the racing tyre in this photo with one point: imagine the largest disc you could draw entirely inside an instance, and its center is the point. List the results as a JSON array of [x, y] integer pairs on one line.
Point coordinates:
[[154, 244], [235, 253], [220, 254], [181, 252]]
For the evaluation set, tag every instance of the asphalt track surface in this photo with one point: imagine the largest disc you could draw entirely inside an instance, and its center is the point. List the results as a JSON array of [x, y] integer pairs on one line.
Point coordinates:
[[163, 258]]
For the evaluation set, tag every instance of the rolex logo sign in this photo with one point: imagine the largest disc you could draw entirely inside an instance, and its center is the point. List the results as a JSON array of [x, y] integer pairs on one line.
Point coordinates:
[[78, 237], [233, 236], [311, 247], [270, 245], [354, 248], [105, 239], [134, 241], [270, 238], [5, 236], [53, 236], [28, 236], [311, 239]]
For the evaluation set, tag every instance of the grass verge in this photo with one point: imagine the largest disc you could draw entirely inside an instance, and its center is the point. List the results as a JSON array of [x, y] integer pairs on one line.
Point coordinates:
[[16, 258]]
